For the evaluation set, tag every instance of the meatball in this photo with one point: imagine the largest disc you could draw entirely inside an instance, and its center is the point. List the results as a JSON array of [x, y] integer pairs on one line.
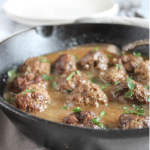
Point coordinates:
[[88, 94], [38, 65], [130, 62], [95, 60], [26, 79], [81, 119], [65, 62], [132, 121], [33, 99], [64, 83], [143, 71], [113, 74], [139, 94]]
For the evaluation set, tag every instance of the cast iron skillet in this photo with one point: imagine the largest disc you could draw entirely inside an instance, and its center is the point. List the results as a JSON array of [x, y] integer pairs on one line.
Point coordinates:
[[43, 40]]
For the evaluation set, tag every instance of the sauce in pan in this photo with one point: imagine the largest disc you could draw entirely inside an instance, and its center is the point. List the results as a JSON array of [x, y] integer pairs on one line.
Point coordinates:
[[55, 109]]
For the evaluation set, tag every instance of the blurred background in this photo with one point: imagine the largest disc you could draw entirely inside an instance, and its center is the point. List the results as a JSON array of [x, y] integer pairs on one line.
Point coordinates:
[[17, 15]]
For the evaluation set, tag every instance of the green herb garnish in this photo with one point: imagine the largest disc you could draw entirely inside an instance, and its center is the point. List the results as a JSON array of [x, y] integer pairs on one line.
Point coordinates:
[[128, 94], [70, 76], [147, 87], [94, 80], [118, 66], [148, 98], [137, 54], [108, 55], [11, 98], [118, 89], [46, 77], [54, 85], [25, 73], [124, 107], [131, 86], [11, 73], [138, 109], [69, 91], [77, 109], [95, 49], [105, 86], [30, 91], [76, 57], [122, 54], [133, 112], [102, 113], [78, 73], [117, 82], [87, 73], [17, 75], [23, 93], [41, 59], [100, 83], [65, 107], [96, 120]]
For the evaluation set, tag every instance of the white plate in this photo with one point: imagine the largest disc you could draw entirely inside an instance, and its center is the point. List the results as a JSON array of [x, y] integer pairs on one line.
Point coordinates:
[[37, 12]]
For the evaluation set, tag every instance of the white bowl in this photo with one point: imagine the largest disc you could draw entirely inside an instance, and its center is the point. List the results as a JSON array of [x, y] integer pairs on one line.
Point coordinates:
[[39, 12]]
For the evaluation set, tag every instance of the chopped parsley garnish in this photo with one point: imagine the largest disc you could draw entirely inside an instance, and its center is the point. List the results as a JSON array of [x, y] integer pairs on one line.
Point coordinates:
[[122, 54], [46, 77], [118, 89], [94, 80], [140, 109], [41, 59], [11, 98], [77, 109], [69, 91], [102, 113], [105, 86], [11, 73], [148, 98], [54, 85], [131, 86], [23, 93], [147, 87], [118, 66], [30, 91], [25, 73], [87, 73], [124, 107], [70, 76], [100, 83], [78, 73], [65, 107], [117, 82], [137, 54], [18, 74], [108, 55], [128, 94], [133, 112], [76, 57], [96, 120], [95, 49]]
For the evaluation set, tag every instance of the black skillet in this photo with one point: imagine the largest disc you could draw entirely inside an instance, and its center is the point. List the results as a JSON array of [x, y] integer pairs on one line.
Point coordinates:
[[49, 39]]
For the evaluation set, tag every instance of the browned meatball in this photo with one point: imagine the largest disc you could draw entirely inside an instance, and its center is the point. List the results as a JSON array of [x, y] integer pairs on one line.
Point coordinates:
[[130, 62], [34, 98], [113, 74], [132, 121], [65, 62], [64, 83], [143, 71], [26, 79], [95, 60], [81, 119], [139, 93], [37, 65], [87, 94]]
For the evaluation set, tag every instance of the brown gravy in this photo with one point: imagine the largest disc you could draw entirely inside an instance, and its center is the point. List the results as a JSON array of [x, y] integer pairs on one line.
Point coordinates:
[[114, 108]]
